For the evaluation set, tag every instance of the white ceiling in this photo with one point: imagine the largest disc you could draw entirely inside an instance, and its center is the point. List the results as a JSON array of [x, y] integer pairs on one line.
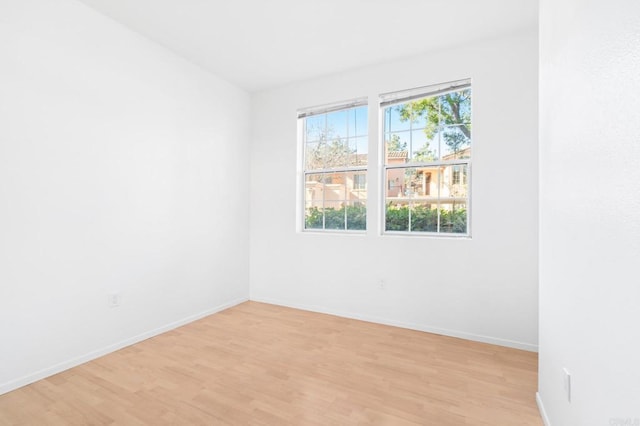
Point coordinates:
[[258, 44]]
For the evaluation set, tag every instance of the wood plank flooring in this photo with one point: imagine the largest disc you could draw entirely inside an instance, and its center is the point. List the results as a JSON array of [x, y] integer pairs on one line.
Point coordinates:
[[260, 364]]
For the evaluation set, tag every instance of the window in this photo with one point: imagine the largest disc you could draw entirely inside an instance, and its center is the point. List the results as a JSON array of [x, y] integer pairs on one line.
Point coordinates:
[[458, 176], [360, 182], [335, 146], [427, 159]]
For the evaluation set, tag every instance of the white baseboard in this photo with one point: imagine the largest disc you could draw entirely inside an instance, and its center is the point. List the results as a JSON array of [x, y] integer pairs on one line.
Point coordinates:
[[543, 413], [60, 367], [435, 330]]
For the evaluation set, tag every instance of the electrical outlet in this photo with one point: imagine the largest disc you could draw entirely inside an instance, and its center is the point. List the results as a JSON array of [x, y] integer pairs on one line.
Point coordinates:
[[381, 284], [114, 300], [567, 383]]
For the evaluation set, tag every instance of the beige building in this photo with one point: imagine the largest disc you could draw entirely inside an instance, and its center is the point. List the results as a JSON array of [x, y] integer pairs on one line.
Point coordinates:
[[403, 186], [427, 185], [337, 190]]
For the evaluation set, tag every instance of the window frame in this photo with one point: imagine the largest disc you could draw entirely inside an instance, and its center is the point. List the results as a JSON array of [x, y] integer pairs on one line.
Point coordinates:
[[325, 109], [388, 100]]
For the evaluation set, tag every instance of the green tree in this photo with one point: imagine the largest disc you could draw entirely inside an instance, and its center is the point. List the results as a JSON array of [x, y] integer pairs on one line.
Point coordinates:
[[424, 219], [450, 113], [424, 154], [395, 145], [355, 216]]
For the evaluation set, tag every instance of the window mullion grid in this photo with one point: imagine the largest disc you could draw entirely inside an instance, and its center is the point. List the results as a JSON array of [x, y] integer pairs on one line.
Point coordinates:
[[440, 166], [338, 169], [324, 194], [440, 179], [384, 191], [440, 169], [344, 175], [344, 196], [344, 203], [428, 164], [410, 157], [324, 178], [410, 212], [324, 173], [326, 170]]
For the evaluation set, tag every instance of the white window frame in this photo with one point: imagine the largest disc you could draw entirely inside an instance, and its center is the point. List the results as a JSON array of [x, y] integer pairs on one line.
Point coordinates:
[[387, 100], [304, 172]]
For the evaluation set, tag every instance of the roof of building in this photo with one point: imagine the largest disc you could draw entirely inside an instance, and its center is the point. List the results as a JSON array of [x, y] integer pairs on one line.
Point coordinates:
[[397, 154]]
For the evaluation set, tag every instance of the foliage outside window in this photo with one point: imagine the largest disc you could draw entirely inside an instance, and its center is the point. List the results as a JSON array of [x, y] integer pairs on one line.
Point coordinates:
[[335, 145], [427, 159]]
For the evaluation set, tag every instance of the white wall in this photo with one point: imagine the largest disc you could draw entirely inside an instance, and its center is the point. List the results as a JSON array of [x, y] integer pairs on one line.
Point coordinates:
[[589, 211], [117, 173], [484, 288]]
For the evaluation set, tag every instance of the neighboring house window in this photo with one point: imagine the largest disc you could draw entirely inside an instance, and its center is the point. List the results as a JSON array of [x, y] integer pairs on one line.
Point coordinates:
[[359, 182], [427, 159], [458, 176], [335, 147]]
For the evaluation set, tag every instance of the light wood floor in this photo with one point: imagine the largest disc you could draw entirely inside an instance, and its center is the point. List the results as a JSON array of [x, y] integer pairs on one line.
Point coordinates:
[[259, 364]]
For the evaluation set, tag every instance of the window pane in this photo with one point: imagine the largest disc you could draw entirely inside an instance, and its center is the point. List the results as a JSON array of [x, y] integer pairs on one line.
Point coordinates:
[[357, 216], [456, 107], [321, 155], [313, 190], [334, 187], [324, 201], [360, 123], [357, 185], [396, 217], [421, 114], [337, 125], [415, 114], [314, 218], [454, 182], [314, 128], [453, 199], [406, 117], [358, 148], [396, 184], [312, 160], [334, 215], [453, 218], [313, 200], [427, 199], [395, 120], [455, 142], [413, 183], [331, 140], [423, 183], [362, 145], [424, 217], [423, 148], [397, 146]]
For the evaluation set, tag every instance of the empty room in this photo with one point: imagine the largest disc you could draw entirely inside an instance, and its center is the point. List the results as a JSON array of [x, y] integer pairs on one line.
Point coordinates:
[[293, 212]]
